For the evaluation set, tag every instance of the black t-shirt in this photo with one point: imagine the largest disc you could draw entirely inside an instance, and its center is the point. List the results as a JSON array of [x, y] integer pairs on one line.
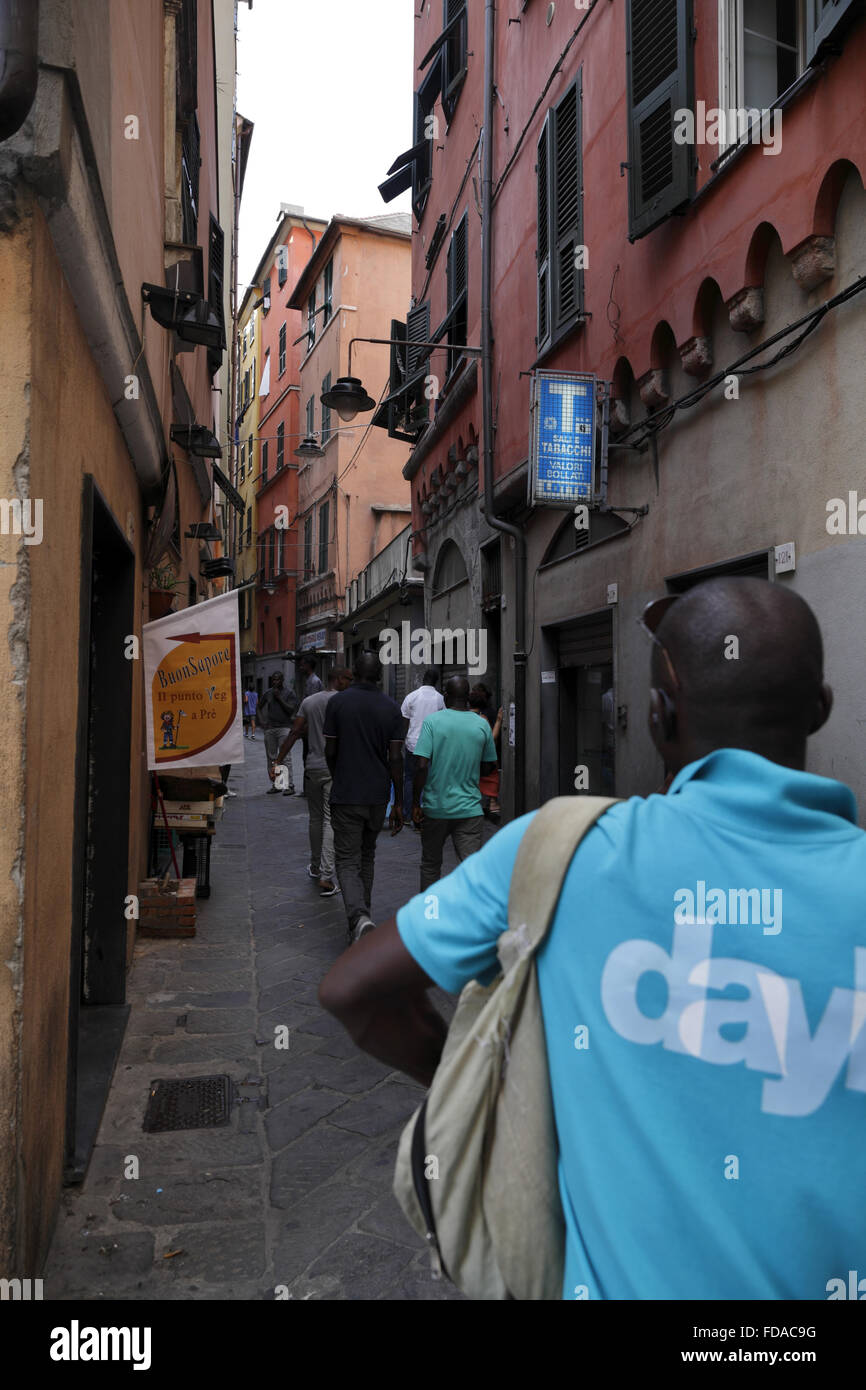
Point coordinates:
[[364, 722]]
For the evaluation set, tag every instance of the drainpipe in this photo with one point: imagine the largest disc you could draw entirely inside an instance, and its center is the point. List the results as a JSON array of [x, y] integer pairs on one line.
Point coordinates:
[[496, 522], [19, 62]]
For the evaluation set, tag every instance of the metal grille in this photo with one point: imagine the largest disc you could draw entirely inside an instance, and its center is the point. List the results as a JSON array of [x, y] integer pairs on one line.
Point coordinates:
[[194, 1102]]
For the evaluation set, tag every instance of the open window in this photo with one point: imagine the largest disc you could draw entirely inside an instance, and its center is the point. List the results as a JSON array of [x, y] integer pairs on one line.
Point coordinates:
[[405, 411], [457, 272], [826, 22]]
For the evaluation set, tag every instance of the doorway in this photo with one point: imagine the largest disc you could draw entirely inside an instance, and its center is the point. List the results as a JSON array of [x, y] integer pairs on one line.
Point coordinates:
[[97, 1007], [586, 714]]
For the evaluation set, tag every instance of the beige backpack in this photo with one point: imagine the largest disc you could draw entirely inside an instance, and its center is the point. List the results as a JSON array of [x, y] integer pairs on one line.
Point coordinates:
[[476, 1170]]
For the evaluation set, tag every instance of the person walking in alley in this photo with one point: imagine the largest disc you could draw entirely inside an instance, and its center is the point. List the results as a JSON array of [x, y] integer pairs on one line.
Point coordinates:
[[309, 725], [251, 700], [416, 706], [312, 685], [747, 873], [275, 713], [364, 732], [479, 701], [454, 750]]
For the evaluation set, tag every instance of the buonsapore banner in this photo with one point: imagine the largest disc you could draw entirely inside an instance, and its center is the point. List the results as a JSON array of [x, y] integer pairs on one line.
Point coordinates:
[[192, 685]]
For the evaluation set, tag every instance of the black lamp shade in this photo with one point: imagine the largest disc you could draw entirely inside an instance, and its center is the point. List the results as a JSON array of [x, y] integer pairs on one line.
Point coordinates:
[[348, 397]]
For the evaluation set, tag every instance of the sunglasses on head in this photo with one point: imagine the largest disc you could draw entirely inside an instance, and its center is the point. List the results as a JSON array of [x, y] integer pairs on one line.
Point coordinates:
[[650, 621]]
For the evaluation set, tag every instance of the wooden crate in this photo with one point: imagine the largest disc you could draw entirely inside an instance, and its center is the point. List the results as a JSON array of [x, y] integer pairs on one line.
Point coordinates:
[[166, 912]]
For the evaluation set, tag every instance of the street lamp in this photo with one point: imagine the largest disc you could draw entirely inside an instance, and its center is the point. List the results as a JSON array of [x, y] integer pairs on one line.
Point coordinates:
[[347, 396], [309, 448]]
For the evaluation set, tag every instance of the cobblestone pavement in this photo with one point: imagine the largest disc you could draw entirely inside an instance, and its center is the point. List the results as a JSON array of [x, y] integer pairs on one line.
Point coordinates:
[[296, 1190]]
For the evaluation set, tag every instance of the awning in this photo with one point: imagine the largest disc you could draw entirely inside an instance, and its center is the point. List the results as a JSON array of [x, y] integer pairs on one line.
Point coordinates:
[[266, 377], [228, 488]]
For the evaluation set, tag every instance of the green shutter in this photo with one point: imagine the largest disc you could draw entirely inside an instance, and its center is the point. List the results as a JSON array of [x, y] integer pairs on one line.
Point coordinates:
[[659, 47], [567, 208], [823, 19], [543, 254]]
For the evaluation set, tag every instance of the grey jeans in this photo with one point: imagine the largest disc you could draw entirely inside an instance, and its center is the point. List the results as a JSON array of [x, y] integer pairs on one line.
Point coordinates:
[[317, 786], [273, 739], [355, 831], [465, 836]]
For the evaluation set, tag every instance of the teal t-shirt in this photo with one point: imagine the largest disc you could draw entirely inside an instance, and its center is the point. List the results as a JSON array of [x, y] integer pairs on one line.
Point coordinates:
[[457, 742], [703, 987]]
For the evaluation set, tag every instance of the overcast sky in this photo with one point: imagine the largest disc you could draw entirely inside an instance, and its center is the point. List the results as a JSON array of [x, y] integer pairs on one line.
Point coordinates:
[[328, 85]]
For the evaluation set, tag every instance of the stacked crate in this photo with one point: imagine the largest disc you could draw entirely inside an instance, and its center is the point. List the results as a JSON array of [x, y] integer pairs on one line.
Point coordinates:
[[166, 907]]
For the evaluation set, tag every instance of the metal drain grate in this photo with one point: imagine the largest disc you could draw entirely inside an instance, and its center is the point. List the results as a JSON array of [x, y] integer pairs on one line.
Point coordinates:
[[193, 1102]]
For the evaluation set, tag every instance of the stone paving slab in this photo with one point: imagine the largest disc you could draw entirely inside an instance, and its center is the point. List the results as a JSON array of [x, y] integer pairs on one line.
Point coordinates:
[[293, 1197]]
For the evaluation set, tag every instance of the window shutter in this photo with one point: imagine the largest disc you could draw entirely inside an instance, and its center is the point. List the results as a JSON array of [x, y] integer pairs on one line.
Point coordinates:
[[659, 51], [216, 282], [417, 331], [823, 18], [566, 209], [543, 167]]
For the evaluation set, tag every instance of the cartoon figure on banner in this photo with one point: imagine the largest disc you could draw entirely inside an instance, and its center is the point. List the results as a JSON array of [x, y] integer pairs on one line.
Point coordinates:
[[170, 731]]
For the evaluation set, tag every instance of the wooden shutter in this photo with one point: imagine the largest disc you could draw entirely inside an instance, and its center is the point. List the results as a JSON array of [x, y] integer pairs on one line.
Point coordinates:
[[543, 253], [566, 208], [659, 62], [417, 331], [823, 18]]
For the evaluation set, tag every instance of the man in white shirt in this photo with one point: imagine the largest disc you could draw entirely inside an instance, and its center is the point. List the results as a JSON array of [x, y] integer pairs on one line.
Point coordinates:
[[416, 706]]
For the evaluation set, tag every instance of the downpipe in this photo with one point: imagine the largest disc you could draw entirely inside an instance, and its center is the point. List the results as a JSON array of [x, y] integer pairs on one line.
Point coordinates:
[[505, 527], [19, 63]]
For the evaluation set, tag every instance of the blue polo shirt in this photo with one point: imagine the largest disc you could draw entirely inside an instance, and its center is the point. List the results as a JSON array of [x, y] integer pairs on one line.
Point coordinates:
[[703, 987]]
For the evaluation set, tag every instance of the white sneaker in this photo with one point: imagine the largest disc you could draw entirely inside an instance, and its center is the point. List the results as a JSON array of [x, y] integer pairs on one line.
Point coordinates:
[[362, 927]]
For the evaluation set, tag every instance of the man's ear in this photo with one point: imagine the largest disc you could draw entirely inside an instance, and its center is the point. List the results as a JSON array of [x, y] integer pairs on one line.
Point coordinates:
[[662, 718], [823, 709]]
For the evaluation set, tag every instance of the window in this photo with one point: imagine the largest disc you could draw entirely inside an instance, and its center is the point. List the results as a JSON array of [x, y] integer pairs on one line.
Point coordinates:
[[456, 271], [328, 292], [264, 477], [311, 320], [311, 415], [280, 557], [281, 446], [246, 398], [308, 546], [216, 287], [266, 295], [453, 54], [282, 350], [243, 461], [326, 412], [323, 537], [249, 526], [271, 549], [406, 410], [762, 52], [190, 141], [282, 265], [661, 171], [560, 218]]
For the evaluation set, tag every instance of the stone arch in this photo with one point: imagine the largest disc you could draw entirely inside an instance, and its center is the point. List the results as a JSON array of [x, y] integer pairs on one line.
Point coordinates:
[[827, 201]]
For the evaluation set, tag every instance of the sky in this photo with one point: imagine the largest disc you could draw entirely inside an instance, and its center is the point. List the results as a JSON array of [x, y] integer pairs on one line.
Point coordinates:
[[328, 85]]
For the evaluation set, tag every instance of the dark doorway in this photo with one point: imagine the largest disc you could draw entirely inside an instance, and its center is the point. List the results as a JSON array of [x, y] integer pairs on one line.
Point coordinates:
[[584, 679], [98, 1012]]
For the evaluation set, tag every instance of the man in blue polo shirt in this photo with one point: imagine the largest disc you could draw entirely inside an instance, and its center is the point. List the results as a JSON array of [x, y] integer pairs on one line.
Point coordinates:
[[703, 983]]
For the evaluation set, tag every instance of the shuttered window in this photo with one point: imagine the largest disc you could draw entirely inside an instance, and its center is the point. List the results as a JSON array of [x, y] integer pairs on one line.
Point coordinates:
[[406, 411], [311, 415], [216, 287], [281, 446], [823, 22], [453, 54], [308, 546], [660, 83], [326, 412], [328, 284], [457, 273], [324, 510], [264, 477], [560, 218]]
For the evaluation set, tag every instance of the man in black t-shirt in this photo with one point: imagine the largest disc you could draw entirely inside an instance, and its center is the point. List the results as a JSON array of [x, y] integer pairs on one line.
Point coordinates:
[[364, 733]]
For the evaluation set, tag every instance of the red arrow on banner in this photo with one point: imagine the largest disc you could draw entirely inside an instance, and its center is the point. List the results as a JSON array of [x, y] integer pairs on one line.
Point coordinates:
[[184, 637]]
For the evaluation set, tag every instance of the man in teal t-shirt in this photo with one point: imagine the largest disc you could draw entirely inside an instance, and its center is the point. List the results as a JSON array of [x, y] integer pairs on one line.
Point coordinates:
[[454, 749]]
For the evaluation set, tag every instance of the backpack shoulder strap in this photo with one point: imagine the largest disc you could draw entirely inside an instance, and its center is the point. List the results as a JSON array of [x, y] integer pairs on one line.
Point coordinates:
[[543, 859]]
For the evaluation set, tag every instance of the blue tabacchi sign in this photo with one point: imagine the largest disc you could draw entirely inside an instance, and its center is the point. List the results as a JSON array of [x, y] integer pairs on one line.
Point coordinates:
[[562, 445]]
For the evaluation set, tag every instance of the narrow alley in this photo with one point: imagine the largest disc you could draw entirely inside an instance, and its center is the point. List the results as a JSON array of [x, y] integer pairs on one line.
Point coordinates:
[[293, 1197]]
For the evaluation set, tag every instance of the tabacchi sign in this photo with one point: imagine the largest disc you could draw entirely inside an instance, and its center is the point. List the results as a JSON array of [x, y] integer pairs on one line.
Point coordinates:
[[562, 439], [192, 676]]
